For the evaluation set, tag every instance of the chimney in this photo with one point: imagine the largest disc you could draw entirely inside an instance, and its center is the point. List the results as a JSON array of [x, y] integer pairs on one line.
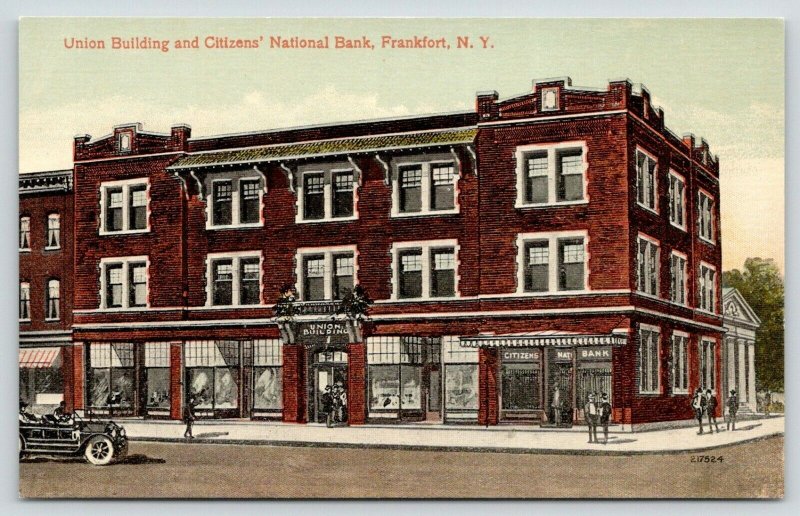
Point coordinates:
[[486, 104], [620, 93], [180, 134]]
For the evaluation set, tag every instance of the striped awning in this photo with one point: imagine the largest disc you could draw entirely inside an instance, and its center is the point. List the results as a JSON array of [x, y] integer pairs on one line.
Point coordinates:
[[35, 358], [554, 338]]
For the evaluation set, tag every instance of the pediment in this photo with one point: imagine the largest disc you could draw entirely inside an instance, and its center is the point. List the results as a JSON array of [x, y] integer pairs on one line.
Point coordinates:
[[735, 308]]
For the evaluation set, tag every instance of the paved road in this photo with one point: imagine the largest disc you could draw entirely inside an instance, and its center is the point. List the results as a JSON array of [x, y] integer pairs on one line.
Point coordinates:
[[248, 471]]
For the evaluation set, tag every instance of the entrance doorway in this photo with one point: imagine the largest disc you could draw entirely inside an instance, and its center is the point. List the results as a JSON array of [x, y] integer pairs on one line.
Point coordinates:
[[328, 369], [560, 393], [595, 379]]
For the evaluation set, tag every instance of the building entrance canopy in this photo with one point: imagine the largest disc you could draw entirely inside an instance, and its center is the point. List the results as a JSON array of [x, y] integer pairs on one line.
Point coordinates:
[[553, 338]]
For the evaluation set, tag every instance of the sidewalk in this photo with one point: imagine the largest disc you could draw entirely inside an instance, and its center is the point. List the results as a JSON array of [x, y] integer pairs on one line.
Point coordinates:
[[523, 439]]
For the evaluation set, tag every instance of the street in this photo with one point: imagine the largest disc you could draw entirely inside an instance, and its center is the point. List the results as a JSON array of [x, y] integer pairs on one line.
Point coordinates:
[[167, 470]]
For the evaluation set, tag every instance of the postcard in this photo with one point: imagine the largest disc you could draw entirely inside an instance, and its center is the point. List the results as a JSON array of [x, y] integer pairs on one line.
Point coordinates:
[[401, 258]]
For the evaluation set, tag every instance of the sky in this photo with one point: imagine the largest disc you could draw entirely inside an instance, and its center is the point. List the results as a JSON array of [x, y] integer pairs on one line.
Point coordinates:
[[722, 80]]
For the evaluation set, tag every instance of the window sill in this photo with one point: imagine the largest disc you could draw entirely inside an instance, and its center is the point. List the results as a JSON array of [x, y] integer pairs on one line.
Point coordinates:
[[24, 320], [52, 248], [123, 309], [703, 311], [677, 392], [678, 226], [551, 204], [320, 221], [550, 293], [429, 213], [651, 296], [421, 299], [26, 250], [124, 232], [649, 393], [235, 226], [50, 319], [647, 208], [706, 240], [232, 307]]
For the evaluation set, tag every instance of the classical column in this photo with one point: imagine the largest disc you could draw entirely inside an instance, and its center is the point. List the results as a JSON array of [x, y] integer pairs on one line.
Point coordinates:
[[176, 380], [742, 390], [752, 373]]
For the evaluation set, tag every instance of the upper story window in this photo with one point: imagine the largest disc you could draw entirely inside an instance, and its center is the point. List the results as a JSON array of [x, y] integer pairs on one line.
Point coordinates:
[[649, 363], [53, 308], [647, 265], [677, 200], [236, 201], [707, 287], [705, 216], [24, 301], [24, 233], [551, 174], [326, 273], [677, 266], [424, 185], [123, 282], [53, 231], [550, 262], [327, 192], [646, 181], [425, 270], [125, 206], [234, 279]]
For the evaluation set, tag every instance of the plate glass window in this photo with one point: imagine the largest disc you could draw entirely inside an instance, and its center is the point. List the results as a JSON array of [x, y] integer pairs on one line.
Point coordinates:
[[343, 194], [571, 258], [24, 301], [53, 231], [156, 363], [53, 299], [411, 189], [223, 203], [24, 233], [314, 196], [411, 273]]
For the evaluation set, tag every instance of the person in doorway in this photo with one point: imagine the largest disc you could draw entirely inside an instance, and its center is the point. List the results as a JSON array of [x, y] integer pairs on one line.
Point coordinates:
[[189, 417], [699, 407], [555, 405], [327, 405], [605, 415], [711, 410], [733, 408], [342, 407], [592, 414]]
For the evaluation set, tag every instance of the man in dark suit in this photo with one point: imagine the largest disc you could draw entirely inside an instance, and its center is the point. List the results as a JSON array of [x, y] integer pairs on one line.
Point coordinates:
[[189, 417], [592, 413], [733, 408], [711, 410], [605, 415], [699, 407]]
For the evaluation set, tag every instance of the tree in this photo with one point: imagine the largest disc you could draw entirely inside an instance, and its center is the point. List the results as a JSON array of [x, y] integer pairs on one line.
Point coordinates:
[[761, 285]]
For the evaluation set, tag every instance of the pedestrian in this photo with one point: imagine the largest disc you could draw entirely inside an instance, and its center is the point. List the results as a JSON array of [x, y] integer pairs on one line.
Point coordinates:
[[189, 417], [605, 415], [767, 402], [592, 414], [555, 405], [733, 408], [711, 410], [342, 403], [699, 407], [327, 405]]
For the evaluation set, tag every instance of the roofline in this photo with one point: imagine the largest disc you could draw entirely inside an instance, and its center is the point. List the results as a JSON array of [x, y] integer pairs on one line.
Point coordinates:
[[46, 173]]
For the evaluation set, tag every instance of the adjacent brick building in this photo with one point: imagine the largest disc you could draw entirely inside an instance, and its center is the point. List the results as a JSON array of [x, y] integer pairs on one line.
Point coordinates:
[[520, 256]]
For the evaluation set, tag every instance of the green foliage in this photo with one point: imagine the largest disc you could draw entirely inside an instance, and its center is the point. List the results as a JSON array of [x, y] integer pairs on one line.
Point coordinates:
[[761, 285]]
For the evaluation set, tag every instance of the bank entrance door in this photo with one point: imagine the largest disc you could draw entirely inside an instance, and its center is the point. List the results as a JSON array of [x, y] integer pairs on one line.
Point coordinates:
[[328, 369], [559, 399]]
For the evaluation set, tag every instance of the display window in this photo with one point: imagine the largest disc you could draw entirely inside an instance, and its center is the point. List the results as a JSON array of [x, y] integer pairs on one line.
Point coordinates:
[[157, 374], [112, 379], [460, 380], [267, 375], [212, 370]]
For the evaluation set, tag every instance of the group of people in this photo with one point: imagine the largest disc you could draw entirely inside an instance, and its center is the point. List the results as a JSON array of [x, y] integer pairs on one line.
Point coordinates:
[[597, 411], [705, 404], [60, 415], [334, 404]]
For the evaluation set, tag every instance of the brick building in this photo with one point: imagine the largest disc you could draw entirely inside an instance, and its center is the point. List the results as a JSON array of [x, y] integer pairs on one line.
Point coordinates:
[[45, 289], [520, 256]]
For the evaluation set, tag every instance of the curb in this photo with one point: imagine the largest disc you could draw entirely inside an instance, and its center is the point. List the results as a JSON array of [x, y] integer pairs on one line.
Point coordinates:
[[435, 448]]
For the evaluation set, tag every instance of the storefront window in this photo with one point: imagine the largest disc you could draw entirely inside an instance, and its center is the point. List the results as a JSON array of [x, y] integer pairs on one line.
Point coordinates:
[[384, 388], [460, 379], [112, 379], [521, 389], [396, 372], [41, 384], [156, 363], [267, 375], [213, 373]]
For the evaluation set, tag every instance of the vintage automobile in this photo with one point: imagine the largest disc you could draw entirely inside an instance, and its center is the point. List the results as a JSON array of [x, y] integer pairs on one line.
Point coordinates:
[[100, 442]]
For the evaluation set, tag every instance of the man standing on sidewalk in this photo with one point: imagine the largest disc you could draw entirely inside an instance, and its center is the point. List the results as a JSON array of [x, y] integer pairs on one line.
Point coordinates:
[[605, 415], [555, 405], [188, 417], [591, 413], [711, 410], [699, 407], [733, 407]]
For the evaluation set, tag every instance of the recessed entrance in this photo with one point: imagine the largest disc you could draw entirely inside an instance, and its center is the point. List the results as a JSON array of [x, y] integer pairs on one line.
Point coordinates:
[[328, 369]]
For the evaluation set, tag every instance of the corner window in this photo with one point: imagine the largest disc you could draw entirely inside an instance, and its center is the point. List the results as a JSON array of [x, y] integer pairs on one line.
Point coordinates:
[[647, 265], [677, 200], [327, 192], [24, 233], [326, 273], [425, 270], [53, 231], [235, 201], [234, 279], [424, 186], [124, 282], [646, 181], [124, 206], [649, 363], [707, 288], [551, 262], [24, 301], [551, 174], [677, 290], [680, 363], [705, 216], [53, 305]]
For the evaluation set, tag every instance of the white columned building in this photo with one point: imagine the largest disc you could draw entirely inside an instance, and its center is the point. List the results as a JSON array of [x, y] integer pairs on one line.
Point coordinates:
[[738, 360]]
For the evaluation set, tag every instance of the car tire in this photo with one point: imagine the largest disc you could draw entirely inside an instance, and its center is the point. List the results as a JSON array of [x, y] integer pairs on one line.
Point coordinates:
[[21, 447], [99, 450]]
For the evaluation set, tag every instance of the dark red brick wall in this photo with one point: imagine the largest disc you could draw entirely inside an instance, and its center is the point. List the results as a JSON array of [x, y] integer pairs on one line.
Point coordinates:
[[357, 383], [176, 380], [294, 384], [487, 386], [77, 376]]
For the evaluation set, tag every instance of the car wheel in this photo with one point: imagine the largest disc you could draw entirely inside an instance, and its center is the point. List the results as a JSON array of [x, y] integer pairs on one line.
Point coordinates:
[[100, 450], [21, 446]]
